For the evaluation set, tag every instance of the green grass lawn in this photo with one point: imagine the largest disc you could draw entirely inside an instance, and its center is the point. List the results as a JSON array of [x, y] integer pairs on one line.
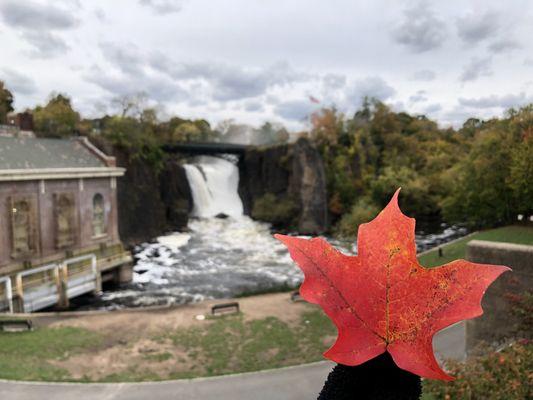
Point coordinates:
[[224, 345], [456, 250], [28, 355], [231, 344]]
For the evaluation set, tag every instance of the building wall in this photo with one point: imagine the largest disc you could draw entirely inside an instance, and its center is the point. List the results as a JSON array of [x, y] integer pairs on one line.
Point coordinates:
[[43, 192], [498, 321]]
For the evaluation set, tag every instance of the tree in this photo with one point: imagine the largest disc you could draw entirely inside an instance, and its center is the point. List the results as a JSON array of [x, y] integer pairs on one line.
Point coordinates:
[[6, 102], [130, 105], [56, 119], [187, 132]]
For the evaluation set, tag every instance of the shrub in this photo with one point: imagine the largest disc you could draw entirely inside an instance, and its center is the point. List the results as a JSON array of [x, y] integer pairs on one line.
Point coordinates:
[[362, 211], [275, 210], [504, 375]]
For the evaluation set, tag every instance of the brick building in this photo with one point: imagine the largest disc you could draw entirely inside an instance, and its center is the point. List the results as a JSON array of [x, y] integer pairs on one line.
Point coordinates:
[[58, 222]]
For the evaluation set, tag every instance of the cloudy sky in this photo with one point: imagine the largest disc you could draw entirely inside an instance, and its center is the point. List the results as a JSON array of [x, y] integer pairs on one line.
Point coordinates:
[[277, 60]]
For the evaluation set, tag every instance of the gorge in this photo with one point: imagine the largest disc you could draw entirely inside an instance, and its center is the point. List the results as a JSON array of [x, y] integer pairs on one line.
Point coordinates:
[[216, 243]]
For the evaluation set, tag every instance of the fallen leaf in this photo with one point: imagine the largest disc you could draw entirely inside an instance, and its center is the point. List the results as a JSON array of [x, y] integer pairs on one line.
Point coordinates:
[[383, 299]]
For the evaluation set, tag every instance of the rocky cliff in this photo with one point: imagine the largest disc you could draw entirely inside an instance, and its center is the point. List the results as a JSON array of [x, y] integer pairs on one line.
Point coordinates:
[[285, 185], [151, 201]]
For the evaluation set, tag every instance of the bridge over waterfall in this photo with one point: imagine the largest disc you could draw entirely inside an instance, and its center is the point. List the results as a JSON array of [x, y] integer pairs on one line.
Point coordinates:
[[206, 148]]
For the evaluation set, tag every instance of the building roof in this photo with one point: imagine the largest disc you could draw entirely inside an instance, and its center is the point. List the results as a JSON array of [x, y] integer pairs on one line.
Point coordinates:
[[33, 153], [39, 158]]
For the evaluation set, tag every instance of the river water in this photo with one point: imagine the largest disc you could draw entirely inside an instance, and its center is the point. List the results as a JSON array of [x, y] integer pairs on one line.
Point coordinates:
[[218, 257]]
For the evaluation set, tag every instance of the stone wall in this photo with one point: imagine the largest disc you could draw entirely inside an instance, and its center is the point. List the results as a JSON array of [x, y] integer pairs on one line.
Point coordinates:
[[498, 322]]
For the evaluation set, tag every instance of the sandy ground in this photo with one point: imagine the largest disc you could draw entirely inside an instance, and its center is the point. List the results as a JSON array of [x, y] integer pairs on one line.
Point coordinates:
[[133, 322]]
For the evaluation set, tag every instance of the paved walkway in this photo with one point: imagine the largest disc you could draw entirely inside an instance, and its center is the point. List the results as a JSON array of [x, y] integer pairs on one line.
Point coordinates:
[[292, 383]]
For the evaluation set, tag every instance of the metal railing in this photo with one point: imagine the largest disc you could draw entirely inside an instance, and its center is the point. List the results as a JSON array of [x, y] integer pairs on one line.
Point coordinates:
[[54, 283]]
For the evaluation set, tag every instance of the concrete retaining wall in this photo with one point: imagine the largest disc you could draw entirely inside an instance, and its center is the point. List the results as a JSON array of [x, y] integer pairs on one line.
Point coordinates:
[[497, 322]]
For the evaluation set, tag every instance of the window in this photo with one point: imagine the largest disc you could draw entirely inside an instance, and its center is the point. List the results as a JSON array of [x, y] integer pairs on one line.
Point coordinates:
[[65, 217], [23, 228], [99, 227]]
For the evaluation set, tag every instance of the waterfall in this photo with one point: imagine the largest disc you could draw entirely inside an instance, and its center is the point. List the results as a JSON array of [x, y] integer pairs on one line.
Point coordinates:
[[214, 184]]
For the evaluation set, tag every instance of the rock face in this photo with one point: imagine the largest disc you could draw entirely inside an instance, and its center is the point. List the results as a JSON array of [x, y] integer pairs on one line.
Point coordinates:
[[150, 203], [176, 194], [292, 172]]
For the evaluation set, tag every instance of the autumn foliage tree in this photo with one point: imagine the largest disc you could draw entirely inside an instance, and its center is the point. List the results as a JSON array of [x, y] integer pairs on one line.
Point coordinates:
[[57, 118], [6, 102]]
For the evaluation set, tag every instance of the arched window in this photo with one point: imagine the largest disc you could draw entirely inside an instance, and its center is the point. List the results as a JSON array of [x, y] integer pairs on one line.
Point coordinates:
[[65, 213], [21, 222], [99, 227], [24, 233]]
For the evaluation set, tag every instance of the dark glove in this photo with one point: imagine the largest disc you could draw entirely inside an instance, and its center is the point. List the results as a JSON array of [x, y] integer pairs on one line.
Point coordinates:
[[377, 379]]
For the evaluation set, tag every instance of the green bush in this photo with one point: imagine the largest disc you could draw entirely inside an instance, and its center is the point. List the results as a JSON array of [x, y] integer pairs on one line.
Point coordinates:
[[275, 210], [362, 211], [504, 375]]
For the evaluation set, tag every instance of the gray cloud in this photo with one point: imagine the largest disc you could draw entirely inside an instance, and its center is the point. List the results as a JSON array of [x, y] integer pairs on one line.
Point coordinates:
[[33, 16], [163, 7], [425, 75], [334, 81], [420, 30], [476, 68], [227, 81], [125, 57], [528, 62], [432, 108], [36, 24], [100, 14], [17, 82], [296, 110], [45, 44], [419, 97], [504, 45], [374, 87], [132, 75], [254, 106], [494, 101], [476, 27], [230, 82], [157, 88]]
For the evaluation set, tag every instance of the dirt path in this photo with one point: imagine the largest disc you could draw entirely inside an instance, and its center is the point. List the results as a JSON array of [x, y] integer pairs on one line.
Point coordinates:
[[131, 323]]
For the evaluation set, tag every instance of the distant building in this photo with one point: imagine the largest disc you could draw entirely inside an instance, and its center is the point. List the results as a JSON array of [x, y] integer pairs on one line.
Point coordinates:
[[58, 230], [23, 121]]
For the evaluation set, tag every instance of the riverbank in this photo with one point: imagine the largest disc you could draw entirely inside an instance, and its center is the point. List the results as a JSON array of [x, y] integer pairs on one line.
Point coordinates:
[[517, 234]]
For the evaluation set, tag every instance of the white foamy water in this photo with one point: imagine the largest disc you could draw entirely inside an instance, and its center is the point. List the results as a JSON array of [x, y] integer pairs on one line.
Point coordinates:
[[223, 258], [214, 183]]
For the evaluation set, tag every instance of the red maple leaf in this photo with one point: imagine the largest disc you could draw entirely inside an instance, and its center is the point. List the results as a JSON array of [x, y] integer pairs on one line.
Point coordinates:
[[383, 299]]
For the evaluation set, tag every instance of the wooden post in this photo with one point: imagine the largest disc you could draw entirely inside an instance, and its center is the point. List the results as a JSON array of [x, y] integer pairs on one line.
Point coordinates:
[[61, 275], [19, 298], [97, 276]]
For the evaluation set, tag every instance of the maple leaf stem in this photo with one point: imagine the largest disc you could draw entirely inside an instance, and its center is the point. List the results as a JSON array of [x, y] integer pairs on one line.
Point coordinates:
[[387, 300], [387, 304]]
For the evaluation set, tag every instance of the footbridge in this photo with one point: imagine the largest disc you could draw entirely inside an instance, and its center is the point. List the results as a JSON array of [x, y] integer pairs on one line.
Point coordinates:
[[206, 148]]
